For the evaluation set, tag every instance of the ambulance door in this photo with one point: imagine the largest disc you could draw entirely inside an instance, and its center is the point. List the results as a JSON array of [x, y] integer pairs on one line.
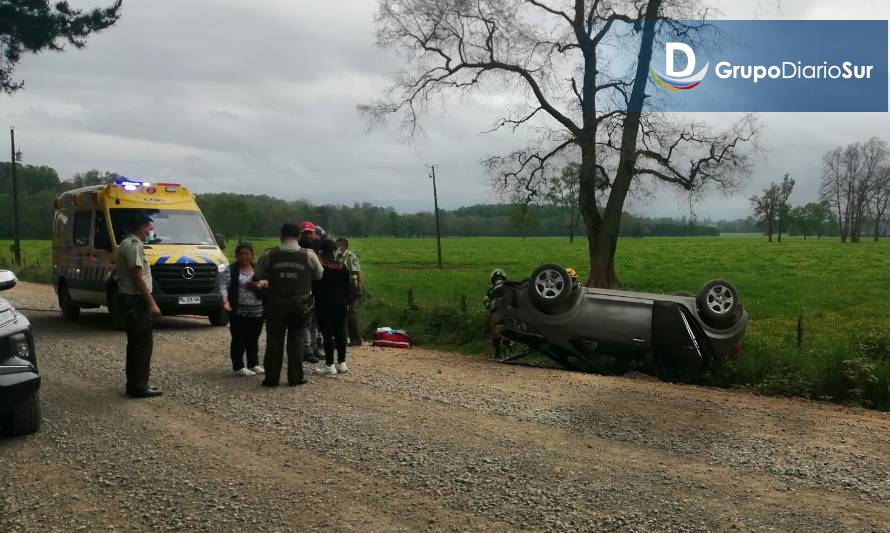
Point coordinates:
[[81, 256], [102, 259]]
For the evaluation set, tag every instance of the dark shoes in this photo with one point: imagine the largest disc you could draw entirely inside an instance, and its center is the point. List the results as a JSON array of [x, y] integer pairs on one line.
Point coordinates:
[[311, 359], [150, 392], [289, 383]]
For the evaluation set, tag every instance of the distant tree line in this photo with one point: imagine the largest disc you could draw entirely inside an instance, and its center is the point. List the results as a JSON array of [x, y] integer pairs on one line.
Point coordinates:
[[239, 216], [855, 197]]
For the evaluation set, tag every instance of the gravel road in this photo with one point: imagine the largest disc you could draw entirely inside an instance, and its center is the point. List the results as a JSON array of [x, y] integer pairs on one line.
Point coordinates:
[[419, 441]]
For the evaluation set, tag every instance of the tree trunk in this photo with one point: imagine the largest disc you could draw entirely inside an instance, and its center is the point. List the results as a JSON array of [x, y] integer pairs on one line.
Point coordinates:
[[603, 230], [769, 229], [877, 229], [600, 244]]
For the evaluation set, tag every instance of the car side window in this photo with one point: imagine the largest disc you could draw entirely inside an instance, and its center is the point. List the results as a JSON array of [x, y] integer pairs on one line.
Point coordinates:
[[82, 228], [100, 237]]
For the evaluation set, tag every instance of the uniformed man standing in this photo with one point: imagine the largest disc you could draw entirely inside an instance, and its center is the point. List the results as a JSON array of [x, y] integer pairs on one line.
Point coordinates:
[[286, 272], [348, 259], [136, 305]]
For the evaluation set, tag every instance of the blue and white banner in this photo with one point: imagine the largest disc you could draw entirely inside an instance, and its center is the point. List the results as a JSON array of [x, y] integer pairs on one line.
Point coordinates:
[[772, 65]]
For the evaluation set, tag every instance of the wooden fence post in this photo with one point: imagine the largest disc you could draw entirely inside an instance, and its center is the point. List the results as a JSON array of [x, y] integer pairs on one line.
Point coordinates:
[[800, 331]]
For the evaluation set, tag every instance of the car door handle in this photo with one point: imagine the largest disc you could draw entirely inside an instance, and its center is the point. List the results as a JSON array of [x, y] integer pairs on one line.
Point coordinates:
[[637, 340]]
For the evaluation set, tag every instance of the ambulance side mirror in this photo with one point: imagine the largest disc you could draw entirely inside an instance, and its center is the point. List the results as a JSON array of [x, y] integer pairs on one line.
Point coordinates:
[[220, 240]]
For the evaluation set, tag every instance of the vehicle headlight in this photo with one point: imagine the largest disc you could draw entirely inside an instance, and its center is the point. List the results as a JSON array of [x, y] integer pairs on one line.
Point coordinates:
[[20, 347], [222, 267], [7, 316]]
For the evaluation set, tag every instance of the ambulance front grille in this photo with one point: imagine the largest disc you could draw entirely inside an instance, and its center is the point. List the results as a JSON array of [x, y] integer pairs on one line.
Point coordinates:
[[174, 279]]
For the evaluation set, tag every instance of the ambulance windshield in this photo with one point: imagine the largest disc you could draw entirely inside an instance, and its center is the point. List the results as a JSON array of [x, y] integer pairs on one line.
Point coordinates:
[[170, 226]]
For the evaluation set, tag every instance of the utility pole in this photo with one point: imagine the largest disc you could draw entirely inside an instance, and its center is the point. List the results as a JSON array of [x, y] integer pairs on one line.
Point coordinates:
[[13, 156], [436, 204]]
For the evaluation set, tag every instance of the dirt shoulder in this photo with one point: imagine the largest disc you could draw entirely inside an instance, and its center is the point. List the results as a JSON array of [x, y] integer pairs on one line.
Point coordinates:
[[419, 441]]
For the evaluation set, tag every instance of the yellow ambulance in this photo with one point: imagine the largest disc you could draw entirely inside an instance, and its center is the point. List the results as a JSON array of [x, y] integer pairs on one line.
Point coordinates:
[[185, 255]]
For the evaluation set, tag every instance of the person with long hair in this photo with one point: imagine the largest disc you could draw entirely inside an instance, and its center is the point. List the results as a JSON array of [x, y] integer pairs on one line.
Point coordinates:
[[332, 300], [245, 308]]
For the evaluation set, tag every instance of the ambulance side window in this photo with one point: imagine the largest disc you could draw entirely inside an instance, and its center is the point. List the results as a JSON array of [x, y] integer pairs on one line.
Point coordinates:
[[82, 228], [100, 238]]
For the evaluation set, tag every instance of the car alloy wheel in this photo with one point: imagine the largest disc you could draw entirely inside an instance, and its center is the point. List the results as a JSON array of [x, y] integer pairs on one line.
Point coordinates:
[[720, 300], [549, 284]]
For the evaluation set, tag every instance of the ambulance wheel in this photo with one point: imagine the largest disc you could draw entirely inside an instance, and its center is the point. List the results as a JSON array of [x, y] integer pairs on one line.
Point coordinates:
[[219, 318], [70, 310]]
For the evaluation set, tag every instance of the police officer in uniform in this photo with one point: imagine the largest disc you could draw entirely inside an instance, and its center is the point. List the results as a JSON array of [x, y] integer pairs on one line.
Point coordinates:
[[286, 273], [348, 259], [136, 305]]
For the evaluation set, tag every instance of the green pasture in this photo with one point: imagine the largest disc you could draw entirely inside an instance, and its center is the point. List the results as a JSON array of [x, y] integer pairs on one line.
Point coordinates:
[[840, 292]]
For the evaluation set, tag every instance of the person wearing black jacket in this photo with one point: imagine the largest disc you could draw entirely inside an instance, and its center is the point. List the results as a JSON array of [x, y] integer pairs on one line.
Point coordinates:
[[309, 239], [238, 289], [332, 301]]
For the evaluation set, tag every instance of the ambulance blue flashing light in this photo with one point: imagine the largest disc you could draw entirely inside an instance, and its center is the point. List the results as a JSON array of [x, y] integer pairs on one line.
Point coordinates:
[[130, 185]]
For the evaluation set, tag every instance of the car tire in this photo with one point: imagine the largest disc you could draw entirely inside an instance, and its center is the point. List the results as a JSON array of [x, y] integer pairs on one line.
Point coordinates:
[[718, 303], [549, 287], [70, 310], [219, 318], [24, 419]]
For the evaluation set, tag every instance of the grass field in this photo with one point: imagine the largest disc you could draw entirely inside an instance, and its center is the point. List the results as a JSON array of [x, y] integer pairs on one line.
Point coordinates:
[[842, 293]]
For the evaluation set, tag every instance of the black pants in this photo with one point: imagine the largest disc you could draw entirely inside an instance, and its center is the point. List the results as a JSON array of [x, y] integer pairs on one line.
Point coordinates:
[[245, 339], [137, 322], [284, 323], [332, 323], [355, 332]]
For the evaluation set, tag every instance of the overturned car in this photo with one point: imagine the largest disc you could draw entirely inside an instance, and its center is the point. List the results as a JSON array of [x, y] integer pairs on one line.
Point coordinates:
[[676, 337]]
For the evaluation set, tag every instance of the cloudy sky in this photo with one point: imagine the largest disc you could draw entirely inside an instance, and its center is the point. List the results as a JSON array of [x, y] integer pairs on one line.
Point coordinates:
[[260, 97]]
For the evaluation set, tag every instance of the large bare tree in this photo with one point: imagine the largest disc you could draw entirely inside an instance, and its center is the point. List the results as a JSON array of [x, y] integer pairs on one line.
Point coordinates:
[[581, 68], [879, 206], [562, 192], [850, 178], [772, 206], [32, 26]]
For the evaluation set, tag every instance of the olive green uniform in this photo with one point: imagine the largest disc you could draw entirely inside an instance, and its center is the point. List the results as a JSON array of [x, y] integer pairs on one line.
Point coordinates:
[[349, 260], [290, 271], [133, 308]]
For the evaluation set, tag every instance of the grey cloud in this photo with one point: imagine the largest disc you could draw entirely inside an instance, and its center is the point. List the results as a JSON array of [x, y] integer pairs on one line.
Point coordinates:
[[260, 97]]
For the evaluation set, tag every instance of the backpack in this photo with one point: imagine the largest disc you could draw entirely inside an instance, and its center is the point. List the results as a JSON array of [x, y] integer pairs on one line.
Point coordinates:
[[391, 338]]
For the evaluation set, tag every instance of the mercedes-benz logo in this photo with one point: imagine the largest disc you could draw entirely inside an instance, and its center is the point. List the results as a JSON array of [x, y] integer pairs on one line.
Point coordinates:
[[188, 273]]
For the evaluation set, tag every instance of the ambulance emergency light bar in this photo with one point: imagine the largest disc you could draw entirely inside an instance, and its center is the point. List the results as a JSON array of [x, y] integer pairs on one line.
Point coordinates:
[[132, 185]]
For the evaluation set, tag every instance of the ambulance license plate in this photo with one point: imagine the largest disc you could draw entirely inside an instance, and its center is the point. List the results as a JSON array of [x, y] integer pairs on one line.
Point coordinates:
[[189, 300]]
